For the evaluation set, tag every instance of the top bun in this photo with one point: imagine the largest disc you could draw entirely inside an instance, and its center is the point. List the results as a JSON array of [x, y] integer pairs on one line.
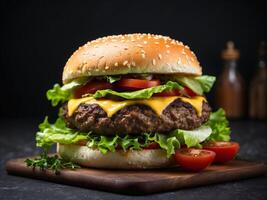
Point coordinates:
[[131, 53]]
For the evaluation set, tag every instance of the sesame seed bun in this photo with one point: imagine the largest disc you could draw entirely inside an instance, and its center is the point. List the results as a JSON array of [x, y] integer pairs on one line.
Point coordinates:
[[87, 157], [131, 53]]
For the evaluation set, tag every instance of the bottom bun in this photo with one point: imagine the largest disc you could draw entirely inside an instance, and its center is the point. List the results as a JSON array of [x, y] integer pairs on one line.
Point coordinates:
[[132, 159]]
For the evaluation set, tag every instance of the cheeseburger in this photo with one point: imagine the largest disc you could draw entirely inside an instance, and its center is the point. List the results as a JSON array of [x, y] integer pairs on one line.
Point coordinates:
[[132, 101]]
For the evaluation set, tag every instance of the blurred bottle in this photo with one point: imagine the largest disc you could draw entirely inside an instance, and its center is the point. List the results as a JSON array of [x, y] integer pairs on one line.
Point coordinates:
[[258, 87], [230, 85]]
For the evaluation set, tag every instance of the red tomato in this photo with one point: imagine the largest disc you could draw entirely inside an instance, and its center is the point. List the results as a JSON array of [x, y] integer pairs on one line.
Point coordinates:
[[168, 93], [82, 142], [225, 151], [186, 91], [91, 87], [152, 145], [189, 92], [194, 159], [135, 84]]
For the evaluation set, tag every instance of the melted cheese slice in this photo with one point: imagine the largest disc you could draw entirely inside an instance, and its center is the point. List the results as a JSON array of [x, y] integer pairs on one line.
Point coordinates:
[[158, 104]]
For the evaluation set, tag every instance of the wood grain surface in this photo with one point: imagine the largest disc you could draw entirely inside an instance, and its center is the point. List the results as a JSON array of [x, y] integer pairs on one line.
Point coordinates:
[[141, 181]]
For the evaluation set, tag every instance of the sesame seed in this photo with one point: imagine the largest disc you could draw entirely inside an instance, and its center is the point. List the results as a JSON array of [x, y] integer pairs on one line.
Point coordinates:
[[106, 67], [154, 62], [143, 51], [116, 64], [172, 42], [128, 65], [168, 51], [125, 62], [160, 56], [156, 42], [139, 45], [187, 47], [192, 59], [167, 46], [133, 63], [179, 61], [143, 55]]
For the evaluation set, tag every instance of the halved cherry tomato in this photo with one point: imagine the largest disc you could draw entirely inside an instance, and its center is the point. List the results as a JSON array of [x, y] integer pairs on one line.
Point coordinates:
[[91, 87], [153, 145], [135, 84], [225, 151], [194, 159]]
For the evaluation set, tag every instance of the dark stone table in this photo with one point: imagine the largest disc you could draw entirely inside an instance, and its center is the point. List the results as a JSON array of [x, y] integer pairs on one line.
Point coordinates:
[[17, 140]]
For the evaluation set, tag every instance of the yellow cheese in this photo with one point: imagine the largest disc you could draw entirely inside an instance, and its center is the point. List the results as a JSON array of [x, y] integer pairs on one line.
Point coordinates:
[[158, 104]]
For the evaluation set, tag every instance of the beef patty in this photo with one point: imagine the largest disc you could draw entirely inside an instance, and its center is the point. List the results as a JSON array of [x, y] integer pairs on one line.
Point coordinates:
[[136, 119]]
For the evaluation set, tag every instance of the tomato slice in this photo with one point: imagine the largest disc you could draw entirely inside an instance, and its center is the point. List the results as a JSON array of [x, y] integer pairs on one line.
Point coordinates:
[[91, 87], [190, 92], [169, 93], [225, 151], [82, 142], [153, 145], [135, 84], [194, 159], [186, 91]]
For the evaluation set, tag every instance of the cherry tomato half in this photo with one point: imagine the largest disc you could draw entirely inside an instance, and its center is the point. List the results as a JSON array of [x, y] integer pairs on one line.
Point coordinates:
[[194, 159], [225, 151], [91, 87], [135, 84]]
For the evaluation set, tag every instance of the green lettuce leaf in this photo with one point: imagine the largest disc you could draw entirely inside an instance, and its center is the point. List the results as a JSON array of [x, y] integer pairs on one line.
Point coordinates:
[[112, 79], [206, 82], [198, 84], [59, 133], [62, 94], [139, 94], [192, 138], [192, 83], [219, 125]]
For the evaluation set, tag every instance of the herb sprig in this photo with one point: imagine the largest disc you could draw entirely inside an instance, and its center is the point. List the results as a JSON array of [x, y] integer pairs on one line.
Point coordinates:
[[54, 163]]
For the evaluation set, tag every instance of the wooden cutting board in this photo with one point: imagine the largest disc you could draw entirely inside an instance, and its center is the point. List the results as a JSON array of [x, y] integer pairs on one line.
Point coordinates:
[[142, 181]]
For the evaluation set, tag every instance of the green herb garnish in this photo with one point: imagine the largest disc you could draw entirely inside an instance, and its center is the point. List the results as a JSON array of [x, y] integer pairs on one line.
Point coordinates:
[[54, 163]]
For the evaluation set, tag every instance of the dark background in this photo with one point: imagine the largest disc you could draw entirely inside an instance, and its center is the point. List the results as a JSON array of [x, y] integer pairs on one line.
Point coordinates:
[[37, 37]]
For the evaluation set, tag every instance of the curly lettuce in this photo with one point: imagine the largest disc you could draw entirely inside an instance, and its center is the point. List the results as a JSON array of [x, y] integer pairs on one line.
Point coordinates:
[[62, 94], [50, 134], [219, 125], [138, 94], [199, 84]]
